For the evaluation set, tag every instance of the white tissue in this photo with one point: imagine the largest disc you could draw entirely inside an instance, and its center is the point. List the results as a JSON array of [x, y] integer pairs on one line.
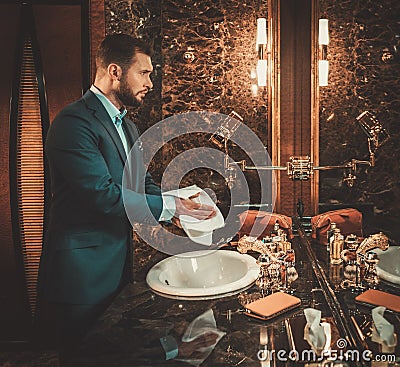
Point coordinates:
[[383, 331], [317, 334], [199, 231], [202, 324]]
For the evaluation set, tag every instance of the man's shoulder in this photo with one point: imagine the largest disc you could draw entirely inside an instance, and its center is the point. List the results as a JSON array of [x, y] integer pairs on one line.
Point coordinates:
[[78, 106], [73, 108], [74, 120], [78, 110]]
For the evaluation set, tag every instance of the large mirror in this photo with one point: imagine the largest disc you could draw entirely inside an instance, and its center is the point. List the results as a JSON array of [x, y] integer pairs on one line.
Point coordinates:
[[364, 65]]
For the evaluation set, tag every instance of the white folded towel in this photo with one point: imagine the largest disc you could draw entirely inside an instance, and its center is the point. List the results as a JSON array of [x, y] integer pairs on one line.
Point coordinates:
[[199, 231], [383, 331], [317, 333]]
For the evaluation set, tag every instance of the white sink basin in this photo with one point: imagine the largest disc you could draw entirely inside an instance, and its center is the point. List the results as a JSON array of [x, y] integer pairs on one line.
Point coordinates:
[[388, 267], [203, 274]]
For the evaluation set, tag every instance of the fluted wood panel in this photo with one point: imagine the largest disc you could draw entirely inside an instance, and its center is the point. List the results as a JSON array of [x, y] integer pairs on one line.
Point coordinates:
[[30, 171], [14, 315], [60, 36]]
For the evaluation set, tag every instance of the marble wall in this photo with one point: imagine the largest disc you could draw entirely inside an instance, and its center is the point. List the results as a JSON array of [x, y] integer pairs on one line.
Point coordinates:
[[208, 54], [204, 54], [364, 75], [140, 19]]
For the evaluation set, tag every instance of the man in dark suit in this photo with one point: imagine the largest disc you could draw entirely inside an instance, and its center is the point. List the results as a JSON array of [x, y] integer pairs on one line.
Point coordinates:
[[86, 256]]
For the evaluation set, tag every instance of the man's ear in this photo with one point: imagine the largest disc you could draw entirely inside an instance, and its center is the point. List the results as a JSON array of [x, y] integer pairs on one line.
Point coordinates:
[[115, 72]]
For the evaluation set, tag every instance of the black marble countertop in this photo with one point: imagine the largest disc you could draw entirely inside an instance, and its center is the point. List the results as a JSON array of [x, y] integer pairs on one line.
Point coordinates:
[[358, 315], [128, 333]]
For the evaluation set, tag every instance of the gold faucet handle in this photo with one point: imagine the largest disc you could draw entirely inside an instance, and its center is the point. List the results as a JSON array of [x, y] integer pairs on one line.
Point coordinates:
[[377, 240], [249, 243], [246, 243]]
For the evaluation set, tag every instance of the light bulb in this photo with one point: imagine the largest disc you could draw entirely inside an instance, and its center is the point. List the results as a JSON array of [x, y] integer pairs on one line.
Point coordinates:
[[261, 31], [323, 72], [323, 32], [262, 66]]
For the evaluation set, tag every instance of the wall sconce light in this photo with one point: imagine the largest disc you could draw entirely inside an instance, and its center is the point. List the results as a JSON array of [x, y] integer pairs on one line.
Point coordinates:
[[323, 63], [262, 66], [261, 45], [261, 36]]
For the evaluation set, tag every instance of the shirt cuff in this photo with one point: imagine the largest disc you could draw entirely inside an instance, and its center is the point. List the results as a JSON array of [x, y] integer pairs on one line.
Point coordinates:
[[170, 347], [169, 208]]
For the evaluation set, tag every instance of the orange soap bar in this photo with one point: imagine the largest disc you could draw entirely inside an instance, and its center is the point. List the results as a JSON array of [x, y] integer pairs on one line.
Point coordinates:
[[379, 298], [273, 305]]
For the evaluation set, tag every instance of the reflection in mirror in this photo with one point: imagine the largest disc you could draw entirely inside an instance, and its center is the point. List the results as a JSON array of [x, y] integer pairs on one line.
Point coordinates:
[[363, 57]]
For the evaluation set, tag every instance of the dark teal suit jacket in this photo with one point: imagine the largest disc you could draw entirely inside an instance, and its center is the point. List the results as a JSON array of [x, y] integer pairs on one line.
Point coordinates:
[[89, 238]]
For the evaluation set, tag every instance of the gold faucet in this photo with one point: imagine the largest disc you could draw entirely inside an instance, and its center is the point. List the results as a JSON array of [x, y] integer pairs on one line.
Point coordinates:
[[364, 264], [273, 248], [276, 261], [377, 240], [249, 243]]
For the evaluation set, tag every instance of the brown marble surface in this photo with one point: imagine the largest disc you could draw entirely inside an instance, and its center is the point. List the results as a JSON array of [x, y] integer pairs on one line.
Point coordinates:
[[208, 54]]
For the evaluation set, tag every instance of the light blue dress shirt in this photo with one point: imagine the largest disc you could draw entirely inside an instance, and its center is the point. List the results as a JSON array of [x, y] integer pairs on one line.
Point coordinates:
[[116, 116]]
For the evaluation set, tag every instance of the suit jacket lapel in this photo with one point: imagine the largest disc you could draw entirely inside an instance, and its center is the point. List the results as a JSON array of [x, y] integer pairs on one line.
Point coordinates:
[[131, 131], [137, 171], [101, 114]]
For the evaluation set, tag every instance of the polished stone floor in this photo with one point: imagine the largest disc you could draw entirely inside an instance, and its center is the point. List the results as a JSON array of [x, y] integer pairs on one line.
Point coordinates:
[[29, 359]]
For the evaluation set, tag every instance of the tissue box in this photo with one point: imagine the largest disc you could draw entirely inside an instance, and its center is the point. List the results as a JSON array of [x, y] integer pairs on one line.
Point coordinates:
[[263, 222], [348, 220]]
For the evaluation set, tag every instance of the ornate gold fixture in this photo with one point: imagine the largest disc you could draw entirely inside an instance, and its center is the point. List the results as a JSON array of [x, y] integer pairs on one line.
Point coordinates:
[[301, 168]]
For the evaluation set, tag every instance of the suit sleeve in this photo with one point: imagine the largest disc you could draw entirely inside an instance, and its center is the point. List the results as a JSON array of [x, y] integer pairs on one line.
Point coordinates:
[[151, 187], [72, 148]]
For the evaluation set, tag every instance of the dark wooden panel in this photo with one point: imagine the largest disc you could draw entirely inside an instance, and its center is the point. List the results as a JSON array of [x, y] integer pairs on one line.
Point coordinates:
[[58, 29], [97, 31], [295, 129]]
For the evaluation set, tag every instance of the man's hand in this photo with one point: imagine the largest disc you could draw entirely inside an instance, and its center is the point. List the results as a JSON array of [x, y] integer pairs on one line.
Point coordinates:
[[194, 348], [192, 208]]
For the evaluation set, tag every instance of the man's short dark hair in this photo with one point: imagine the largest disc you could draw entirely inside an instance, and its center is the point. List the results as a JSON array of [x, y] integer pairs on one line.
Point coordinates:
[[120, 49]]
